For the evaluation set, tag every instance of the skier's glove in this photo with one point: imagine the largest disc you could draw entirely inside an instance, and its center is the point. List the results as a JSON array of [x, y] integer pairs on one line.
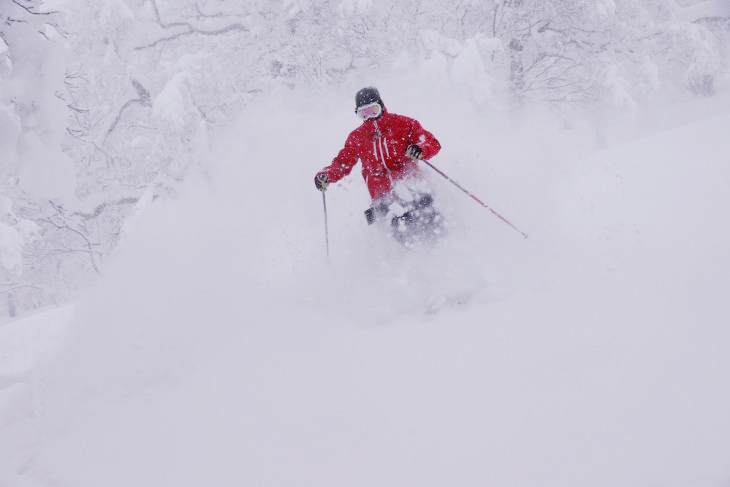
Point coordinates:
[[321, 181], [413, 152], [370, 215]]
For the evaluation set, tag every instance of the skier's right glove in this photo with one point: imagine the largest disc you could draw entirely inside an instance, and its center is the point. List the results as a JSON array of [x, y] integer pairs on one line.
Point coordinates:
[[413, 152], [321, 181]]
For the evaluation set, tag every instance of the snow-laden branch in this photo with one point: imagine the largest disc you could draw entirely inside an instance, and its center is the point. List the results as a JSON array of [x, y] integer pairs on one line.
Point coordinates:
[[193, 30], [89, 250], [144, 99], [31, 10], [99, 209], [190, 29]]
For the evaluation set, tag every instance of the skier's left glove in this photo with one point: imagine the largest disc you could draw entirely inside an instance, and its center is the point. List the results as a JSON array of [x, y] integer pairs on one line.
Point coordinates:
[[321, 181], [414, 152]]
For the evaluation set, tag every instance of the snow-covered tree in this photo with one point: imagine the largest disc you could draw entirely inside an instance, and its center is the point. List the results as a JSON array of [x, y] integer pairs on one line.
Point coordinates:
[[35, 172]]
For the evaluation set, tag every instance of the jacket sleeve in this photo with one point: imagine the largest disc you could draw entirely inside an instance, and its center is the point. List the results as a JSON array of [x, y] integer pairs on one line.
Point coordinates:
[[344, 161], [425, 140]]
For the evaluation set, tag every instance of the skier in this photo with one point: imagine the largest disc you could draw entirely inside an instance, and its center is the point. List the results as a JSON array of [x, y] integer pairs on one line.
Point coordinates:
[[389, 146]]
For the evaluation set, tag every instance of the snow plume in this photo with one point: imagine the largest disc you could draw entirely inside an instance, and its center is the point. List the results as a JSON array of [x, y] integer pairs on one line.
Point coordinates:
[[223, 344], [233, 276], [261, 238]]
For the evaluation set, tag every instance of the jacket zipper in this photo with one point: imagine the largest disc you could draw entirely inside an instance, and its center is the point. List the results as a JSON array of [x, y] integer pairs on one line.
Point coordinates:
[[379, 146]]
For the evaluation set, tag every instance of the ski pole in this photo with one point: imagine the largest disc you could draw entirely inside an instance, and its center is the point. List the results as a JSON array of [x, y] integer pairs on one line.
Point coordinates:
[[474, 197], [326, 230]]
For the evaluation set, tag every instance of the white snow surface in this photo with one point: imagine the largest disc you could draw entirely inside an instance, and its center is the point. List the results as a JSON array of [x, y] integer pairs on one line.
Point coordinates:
[[223, 348]]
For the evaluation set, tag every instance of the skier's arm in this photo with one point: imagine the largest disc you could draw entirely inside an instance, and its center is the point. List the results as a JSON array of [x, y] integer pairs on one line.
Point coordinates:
[[344, 162], [425, 140]]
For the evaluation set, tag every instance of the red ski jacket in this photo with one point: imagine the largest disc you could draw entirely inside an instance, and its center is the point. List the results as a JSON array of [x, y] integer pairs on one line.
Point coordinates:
[[381, 147]]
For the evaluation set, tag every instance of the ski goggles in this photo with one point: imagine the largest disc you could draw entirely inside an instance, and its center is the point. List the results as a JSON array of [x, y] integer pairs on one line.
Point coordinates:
[[366, 112]]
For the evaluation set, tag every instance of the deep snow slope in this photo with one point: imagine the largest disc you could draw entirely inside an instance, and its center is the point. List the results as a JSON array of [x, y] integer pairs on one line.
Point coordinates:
[[223, 349]]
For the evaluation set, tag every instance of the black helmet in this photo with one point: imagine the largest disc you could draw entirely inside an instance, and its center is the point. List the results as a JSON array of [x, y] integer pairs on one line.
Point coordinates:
[[366, 96]]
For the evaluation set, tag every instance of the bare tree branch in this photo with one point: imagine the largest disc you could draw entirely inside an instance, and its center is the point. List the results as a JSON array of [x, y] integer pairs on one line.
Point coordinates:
[[90, 250], [99, 209], [191, 31], [144, 100]]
